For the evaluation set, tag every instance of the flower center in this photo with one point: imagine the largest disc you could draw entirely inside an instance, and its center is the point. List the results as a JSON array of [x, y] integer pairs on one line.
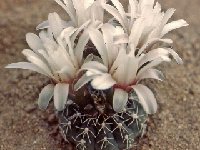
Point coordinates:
[[125, 87]]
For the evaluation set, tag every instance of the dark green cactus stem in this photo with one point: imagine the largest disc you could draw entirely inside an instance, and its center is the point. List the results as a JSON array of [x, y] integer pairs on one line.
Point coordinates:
[[92, 129]]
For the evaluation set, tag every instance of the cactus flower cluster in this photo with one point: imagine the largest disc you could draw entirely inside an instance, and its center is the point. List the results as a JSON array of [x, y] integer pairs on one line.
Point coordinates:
[[96, 68]]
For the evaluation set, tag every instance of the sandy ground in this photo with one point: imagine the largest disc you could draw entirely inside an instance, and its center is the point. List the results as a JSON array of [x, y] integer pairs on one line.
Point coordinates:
[[23, 126]]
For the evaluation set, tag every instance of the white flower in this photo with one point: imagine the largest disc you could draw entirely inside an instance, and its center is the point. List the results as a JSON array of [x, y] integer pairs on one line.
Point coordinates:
[[80, 12], [123, 72], [144, 23], [57, 59]]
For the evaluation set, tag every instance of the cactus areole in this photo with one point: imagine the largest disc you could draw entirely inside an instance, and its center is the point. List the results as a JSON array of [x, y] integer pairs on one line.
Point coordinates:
[[96, 68]]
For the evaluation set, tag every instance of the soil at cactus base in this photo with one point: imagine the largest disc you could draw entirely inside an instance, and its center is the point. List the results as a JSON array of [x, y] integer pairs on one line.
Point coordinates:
[[24, 127]]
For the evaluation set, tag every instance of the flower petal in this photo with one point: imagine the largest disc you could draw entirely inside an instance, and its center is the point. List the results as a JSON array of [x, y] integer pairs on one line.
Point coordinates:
[[82, 81], [45, 96], [120, 99], [94, 65], [113, 11], [29, 66], [34, 41], [55, 24], [97, 39], [83, 40], [173, 25], [133, 9], [67, 72], [61, 91], [153, 54], [136, 32], [146, 98], [43, 25], [103, 82], [79, 29], [35, 59], [120, 8], [97, 11], [69, 8], [166, 16], [175, 56], [88, 3], [154, 63], [150, 74], [121, 39]]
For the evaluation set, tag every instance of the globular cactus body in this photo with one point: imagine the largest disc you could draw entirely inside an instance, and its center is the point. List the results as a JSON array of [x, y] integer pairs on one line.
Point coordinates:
[[98, 130]]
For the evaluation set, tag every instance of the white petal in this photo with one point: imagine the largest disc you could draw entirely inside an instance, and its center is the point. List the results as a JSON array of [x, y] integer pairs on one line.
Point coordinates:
[[118, 60], [29, 66], [83, 40], [81, 12], [168, 41], [175, 56], [165, 19], [160, 53], [108, 30], [34, 41], [120, 8], [89, 58], [121, 69], [113, 11], [35, 59], [131, 69], [43, 25], [45, 96], [146, 98], [93, 72], [168, 14], [82, 81], [155, 63], [97, 39], [61, 91], [79, 29], [144, 3], [94, 65], [103, 82], [67, 72], [133, 8], [120, 99], [136, 31], [69, 8], [121, 39], [173, 25], [97, 12], [152, 74], [151, 42], [67, 32], [55, 24], [153, 54], [88, 3]]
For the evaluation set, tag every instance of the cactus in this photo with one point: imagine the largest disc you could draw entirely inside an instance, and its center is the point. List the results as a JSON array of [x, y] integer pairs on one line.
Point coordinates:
[[95, 127], [96, 68]]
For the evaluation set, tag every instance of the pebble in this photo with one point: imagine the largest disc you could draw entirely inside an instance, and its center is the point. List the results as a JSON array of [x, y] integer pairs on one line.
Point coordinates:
[[54, 131], [52, 119], [191, 91], [69, 147], [30, 108]]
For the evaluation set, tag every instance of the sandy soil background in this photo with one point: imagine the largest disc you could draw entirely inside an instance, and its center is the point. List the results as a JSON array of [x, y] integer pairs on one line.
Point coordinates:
[[23, 126]]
